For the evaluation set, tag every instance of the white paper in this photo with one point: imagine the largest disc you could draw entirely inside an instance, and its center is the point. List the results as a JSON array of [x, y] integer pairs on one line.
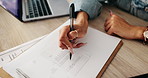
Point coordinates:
[[10, 54], [46, 60]]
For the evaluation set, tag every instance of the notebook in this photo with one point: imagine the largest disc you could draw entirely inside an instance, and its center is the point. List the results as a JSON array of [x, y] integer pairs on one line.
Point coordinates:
[[28, 10], [46, 60]]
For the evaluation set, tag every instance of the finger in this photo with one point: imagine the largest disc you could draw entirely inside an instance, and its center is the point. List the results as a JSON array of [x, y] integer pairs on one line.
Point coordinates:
[[62, 46], [64, 38], [71, 50], [107, 22], [64, 31], [110, 31], [73, 34], [108, 18], [110, 12], [107, 27], [66, 42], [79, 45]]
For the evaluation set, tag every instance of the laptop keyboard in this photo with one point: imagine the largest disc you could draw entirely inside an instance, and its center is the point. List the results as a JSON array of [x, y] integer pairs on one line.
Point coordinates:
[[37, 8]]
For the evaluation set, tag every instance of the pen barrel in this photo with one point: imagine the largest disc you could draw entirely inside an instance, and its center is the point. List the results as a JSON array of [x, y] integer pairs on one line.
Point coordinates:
[[71, 24]]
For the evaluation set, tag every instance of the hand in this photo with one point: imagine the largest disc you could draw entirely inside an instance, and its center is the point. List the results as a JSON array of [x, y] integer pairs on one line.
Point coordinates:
[[115, 25], [80, 31]]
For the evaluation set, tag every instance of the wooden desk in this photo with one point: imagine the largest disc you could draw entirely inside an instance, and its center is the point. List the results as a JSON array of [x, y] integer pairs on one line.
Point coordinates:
[[131, 60]]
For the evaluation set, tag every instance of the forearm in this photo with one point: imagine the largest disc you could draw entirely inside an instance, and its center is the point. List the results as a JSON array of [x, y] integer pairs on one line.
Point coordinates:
[[117, 25]]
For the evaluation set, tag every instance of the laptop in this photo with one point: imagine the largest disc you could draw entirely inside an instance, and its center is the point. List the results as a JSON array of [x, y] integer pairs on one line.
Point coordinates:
[[29, 10]]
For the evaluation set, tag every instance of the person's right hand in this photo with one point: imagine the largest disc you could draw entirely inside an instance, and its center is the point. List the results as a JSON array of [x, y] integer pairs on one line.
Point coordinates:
[[80, 30], [66, 36]]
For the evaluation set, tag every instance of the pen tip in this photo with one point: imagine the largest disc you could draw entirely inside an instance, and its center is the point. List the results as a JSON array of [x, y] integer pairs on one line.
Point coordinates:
[[70, 56]]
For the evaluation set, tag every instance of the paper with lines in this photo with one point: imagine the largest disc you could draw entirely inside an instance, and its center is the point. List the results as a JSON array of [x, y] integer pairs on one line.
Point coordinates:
[[10, 54], [46, 60], [61, 59]]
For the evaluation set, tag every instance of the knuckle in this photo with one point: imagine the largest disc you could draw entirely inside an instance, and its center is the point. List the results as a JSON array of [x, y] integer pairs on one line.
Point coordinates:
[[112, 18], [111, 28], [61, 39], [112, 23], [105, 28], [60, 45], [114, 15], [109, 33], [65, 28]]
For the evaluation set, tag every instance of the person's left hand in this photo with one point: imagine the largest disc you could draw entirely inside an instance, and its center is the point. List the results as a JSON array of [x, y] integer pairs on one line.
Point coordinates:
[[115, 25]]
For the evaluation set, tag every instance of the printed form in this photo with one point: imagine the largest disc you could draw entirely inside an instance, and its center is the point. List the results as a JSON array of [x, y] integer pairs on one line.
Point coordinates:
[[10, 54], [46, 60]]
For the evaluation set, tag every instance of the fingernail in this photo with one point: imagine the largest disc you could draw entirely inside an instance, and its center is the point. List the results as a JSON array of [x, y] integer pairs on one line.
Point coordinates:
[[74, 44], [71, 50]]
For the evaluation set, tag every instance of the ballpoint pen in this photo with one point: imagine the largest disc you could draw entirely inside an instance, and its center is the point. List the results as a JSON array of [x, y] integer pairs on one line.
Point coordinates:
[[72, 13]]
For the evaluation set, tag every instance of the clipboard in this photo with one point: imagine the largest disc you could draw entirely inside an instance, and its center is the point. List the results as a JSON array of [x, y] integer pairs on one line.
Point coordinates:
[[106, 63], [110, 60], [6, 75]]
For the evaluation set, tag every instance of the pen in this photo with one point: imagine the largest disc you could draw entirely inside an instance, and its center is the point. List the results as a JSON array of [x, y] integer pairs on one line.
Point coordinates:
[[72, 12]]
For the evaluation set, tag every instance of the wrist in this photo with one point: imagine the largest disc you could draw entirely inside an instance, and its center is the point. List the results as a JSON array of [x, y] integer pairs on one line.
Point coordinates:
[[81, 23], [82, 19], [139, 33]]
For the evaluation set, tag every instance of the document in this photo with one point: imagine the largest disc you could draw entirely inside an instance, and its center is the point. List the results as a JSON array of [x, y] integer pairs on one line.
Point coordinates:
[[46, 60], [10, 54]]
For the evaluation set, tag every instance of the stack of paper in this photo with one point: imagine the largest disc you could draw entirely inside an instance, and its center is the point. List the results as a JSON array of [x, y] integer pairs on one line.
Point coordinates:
[[10, 54], [46, 60]]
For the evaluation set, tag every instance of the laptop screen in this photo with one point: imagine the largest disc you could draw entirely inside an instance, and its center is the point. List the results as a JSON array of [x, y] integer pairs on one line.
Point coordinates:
[[11, 6]]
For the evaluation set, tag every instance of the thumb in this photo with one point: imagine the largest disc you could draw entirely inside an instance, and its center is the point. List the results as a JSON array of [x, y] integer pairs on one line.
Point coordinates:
[[110, 12], [73, 34]]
